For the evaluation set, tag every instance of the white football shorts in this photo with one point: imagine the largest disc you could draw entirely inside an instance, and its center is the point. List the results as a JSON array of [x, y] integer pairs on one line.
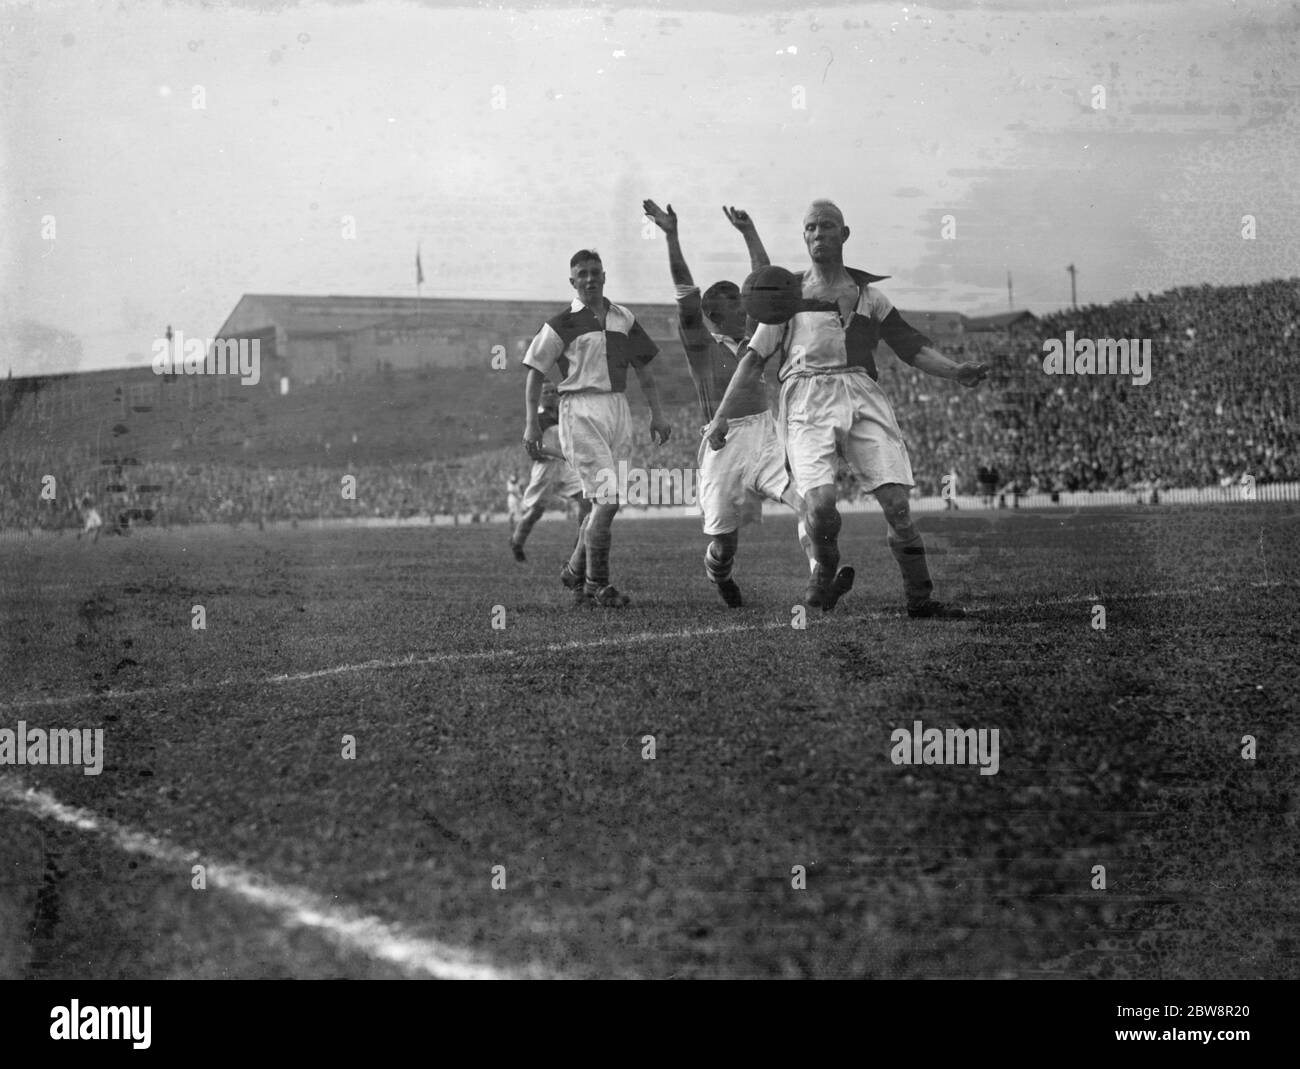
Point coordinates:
[[846, 414], [595, 434], [735, 479]]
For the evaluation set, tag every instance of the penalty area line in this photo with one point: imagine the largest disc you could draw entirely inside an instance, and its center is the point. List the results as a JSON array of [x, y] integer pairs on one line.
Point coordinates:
[[296, 907]]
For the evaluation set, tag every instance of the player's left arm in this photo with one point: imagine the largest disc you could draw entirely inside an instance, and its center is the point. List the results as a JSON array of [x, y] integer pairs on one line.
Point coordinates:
[[641, 351], [914, 348], [740, 219], [748, 373], [660, 428]]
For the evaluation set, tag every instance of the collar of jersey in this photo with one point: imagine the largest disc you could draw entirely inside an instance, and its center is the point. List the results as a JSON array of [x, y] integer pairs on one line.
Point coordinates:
[[578, 306], [862, 278], [722, 340]]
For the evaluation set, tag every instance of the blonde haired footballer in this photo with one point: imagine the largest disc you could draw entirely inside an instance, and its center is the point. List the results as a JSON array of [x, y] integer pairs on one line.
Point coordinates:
[[734, 480], [591, 345], [831, 404]]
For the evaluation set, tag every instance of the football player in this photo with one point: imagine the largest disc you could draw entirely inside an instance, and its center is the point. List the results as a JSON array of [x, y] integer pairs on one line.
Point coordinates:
[[592, 343], [551, 476], [832, 405], [734, 480]]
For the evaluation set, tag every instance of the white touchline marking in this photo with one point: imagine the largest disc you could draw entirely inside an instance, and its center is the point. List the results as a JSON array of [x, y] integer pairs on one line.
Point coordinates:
[[411, 660], [297, 907]]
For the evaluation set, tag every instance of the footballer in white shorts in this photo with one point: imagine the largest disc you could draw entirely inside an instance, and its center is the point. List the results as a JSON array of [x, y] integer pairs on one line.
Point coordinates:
[[831, 403], [735, 479], [592, 345], [595, 434], [832, 415], [551, 476], [732, 480]]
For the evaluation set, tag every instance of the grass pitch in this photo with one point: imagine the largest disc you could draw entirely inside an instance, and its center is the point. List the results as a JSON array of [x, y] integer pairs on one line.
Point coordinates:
[[771, 834]]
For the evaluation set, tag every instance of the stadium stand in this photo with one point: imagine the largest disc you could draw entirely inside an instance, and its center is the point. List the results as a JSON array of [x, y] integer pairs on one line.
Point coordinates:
[[1220, 404]]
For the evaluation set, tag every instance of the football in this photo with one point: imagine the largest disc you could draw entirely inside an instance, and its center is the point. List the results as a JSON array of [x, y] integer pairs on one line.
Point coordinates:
[[772, 294]]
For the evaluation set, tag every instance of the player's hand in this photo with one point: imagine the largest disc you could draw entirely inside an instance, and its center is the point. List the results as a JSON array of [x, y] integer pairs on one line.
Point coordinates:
[[664, 220], [660, 430], [739, 218], [971, 374], [716, 433], [533, 441]]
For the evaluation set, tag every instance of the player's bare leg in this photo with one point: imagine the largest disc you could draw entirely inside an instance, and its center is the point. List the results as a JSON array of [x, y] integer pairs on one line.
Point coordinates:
[[523, 529], [598, 539], [908, 548], [828, 581], [791, 497]]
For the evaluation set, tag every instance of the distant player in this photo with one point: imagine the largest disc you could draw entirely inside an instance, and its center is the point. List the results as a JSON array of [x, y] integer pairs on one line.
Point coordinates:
[[94, 523], [592, 343], [733, 480], [513, 495], [831, 404], [551, 476]]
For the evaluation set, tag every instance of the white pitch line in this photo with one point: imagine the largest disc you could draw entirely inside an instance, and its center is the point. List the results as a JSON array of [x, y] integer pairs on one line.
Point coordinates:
[[296, 907], [411, 660]]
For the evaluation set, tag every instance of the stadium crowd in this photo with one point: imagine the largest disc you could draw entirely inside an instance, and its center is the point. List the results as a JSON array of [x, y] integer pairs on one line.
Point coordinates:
[[1222, 402]]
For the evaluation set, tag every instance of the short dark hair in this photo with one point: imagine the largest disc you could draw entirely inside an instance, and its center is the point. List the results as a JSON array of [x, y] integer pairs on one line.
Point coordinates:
[[582, 256], [712, 300]]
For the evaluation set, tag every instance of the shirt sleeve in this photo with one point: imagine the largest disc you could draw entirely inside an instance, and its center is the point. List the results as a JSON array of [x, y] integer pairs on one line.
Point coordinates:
[[766, 339], [544, 350], [641, 349], [696, 338], [895, 331]]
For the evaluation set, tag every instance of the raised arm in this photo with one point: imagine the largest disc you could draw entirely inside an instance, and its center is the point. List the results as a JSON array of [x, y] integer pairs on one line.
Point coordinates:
[[667, 222], [696, 339], [739, 218]]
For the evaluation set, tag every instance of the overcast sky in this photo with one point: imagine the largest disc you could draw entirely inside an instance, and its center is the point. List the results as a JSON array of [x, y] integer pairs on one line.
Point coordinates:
[[502, 138]]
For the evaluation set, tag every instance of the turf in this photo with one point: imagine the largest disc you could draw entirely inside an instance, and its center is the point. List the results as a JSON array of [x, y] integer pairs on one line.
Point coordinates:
[[523, 746]]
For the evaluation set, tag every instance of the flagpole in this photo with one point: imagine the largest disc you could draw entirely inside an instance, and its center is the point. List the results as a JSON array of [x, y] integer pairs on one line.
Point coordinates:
[[419, 281]]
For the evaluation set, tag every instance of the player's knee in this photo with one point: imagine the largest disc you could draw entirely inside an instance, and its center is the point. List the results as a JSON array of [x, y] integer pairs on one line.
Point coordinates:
[[725, 545], [893, 503], [823, 518]]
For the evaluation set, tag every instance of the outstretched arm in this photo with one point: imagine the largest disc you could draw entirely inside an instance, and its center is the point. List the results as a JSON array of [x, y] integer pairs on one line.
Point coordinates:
[[914, 348], [933, 362], [667, 222], [739, 218]]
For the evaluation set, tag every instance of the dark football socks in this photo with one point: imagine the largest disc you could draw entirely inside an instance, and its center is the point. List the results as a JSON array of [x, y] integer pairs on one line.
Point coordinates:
[[598, 541], [824, 531], [720, 556], [910, 554]]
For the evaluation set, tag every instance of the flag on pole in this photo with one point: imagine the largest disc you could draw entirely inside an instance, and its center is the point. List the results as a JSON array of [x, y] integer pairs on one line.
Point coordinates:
[[419, 270]]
